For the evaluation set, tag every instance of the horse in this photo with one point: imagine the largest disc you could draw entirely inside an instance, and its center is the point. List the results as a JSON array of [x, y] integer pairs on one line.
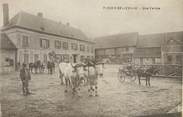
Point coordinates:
[[147, 73], [37, 66], [31, 66]]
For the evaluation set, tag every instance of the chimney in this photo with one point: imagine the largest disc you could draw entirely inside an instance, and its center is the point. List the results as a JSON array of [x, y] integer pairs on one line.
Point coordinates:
[[5, 14], [40, 14]]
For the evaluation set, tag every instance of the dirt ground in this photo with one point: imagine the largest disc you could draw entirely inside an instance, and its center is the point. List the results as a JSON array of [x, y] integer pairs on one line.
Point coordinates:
[[115, 98]]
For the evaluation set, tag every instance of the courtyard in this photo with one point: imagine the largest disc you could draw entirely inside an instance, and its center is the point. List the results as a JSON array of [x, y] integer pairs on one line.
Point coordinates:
[[115, 99]]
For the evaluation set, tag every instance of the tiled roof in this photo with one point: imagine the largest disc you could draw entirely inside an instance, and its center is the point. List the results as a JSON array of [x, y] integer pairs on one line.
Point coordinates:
[[149, 45], [5, 42], [150, 40], [41, 24], [147, 52], [175, 36], [118, 40]]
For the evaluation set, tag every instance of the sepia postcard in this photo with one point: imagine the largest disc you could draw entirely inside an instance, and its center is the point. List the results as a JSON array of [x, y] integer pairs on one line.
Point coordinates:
[[91, 58]]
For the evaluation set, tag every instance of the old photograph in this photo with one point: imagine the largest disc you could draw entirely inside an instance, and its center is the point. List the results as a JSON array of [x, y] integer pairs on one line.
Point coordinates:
[[91, 58]]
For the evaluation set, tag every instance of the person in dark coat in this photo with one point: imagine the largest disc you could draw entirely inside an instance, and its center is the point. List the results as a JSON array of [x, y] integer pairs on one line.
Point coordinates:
[[25, 78]]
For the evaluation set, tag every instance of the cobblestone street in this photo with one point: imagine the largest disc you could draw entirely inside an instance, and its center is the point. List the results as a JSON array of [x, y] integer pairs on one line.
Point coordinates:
[[115, 98]]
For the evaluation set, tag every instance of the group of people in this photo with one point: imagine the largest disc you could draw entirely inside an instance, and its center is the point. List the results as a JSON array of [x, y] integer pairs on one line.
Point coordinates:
[[42, 67], [72, 75]]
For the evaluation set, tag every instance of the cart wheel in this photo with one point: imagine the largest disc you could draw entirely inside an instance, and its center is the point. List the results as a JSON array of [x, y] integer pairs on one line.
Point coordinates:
[[121, 77]]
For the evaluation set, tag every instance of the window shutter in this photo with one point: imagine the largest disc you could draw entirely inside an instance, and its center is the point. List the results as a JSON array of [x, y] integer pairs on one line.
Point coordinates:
[[40, 43]]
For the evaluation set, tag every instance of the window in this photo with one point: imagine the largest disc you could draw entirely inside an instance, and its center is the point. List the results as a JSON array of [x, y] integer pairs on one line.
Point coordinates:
[[74, 46], [44, 43], [9, 62], [169, 58], [88, 50], [178, 59], [82, 47], [157, 60], [65, 45], [82, 58], [57, 44], [25, 41], [26, 58]]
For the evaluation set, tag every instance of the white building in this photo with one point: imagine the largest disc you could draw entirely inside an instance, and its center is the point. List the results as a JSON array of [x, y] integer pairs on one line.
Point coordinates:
[[34, 37]]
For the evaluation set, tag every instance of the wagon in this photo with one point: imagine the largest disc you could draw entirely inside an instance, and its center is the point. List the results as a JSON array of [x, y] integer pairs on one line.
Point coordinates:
[[126, 73]]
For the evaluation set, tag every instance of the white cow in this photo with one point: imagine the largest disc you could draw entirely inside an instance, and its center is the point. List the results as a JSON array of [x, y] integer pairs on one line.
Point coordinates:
[[67, 75], [61, 68]]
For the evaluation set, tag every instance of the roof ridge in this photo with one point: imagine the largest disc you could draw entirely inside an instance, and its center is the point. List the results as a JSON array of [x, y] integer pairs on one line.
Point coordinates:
[[30, 21], [159, 33], [117, 34], [44, 18]]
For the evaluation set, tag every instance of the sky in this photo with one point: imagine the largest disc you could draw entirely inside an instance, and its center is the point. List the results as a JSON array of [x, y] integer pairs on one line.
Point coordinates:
[[92, 17]]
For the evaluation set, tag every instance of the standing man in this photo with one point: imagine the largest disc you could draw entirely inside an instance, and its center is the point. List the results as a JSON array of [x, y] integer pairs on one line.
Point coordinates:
[[25, 77], [92, 74]]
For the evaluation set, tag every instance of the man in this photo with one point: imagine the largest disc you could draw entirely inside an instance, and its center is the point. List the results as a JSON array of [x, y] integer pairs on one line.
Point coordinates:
[[93, 80], [52, 67], [25, 77]]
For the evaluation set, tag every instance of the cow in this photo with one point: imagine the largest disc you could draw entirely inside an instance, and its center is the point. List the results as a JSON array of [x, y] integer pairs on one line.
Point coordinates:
[[68, 76]]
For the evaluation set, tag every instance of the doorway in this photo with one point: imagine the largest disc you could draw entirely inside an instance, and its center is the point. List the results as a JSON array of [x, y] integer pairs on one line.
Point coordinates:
[[74, 58]]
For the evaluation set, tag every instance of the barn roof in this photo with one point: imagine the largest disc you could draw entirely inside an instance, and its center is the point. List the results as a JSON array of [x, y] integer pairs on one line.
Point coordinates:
[[175, 36], [150, 40], [41, 24], [117, 40]]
